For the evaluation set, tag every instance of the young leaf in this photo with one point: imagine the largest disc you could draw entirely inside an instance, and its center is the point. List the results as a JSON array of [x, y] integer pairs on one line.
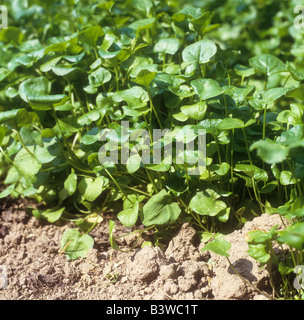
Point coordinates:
[[113, 243], [51, 215], [133, 163], [160, 210], [91, 35], [206, 88], [5, 193], [70, 183], [267, 64], [196, 111], [270, 151], [231, 123], [75, 245], [218, 246], [259, 252], [206, 203], [167, 46], [243, 71], [91, 189], [199, 52], [145, 77], [128, 217]]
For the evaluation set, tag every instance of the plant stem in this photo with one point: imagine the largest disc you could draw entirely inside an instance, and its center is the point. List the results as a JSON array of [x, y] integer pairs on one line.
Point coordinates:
[[23, 144], [226, 106], [164, 62], [117, 185], [151, 180], [264, 122], [231, 160], [153, 109], [246, 143]]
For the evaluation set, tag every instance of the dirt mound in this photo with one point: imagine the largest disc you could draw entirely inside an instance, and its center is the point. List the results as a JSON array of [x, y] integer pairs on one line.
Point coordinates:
[[29, 250], [225, 283]]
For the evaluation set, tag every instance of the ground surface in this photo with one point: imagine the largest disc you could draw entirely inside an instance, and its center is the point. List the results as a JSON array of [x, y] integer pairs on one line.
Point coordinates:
[[29, 249]]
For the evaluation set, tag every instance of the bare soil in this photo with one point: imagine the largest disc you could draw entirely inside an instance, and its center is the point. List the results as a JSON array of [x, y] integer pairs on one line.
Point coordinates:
[[36, 269]]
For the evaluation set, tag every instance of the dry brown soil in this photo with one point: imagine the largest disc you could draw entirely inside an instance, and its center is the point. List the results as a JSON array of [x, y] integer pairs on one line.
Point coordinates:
[[29, 249]]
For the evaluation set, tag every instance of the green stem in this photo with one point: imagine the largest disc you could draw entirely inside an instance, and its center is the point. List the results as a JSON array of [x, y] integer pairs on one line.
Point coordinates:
[[117, 185], [264, 122], [23, 144], [226, 106], [137, 190], [231, 160], [151, 180], [256, 194], [189, 211], [164, 62], [153, 109], [247, 148], [294, 176]]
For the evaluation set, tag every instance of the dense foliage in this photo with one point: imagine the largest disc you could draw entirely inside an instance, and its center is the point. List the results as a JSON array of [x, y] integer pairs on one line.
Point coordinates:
[[72, 68]]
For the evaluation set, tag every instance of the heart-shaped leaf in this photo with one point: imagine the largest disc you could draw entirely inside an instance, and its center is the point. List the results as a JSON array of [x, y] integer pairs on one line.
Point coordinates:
[[75, 245], [70, 183], [91, 189], [128, 217], [160, 210], [206, 203], [267, 64], [206, 88], [199, 52], [218, 246], [196, 111], [167, 46]]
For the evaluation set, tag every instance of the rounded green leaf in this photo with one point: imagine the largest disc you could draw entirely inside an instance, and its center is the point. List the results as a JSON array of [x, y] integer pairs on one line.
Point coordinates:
[[52, 215], [167, 46], [286, 178], [128, 217], [145, 77], [195, 111], [159, 210], [206, 88], [218, 246], [99, 77], [34, 87], [27, 165], [259, 252], [293, 236], [205, 203], [70, 183], [199, 52], [243, 71], [8, 115], [267, 64], [75, 245], [91, 189], [133, 163], [231, 123], [270, 151], [91, 35]]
